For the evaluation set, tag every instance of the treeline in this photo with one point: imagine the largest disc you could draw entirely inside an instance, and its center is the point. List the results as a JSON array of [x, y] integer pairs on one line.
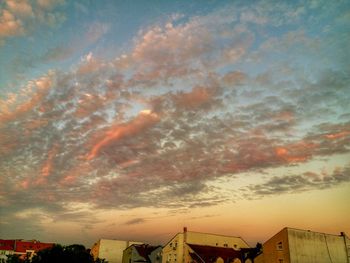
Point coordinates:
[[58, 254]]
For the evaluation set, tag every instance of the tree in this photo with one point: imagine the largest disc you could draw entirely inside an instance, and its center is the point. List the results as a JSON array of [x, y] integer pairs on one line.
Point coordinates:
[[67, 254], [13, 259], [252, 253]]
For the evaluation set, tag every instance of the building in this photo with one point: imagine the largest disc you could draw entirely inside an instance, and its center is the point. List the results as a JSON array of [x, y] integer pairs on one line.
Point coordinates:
[[142, 253], [303, 246], [23, 248], [111, 250], [211, 254], [184, 247], [7, 247]]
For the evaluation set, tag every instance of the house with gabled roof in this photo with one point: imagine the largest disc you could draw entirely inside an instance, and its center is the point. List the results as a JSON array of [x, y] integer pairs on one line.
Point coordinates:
[[138, 253], [190, 247]]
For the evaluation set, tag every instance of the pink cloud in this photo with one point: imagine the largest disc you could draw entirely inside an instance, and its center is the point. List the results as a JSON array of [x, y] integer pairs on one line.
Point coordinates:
[[22, 7], [10, 25], [48, 164], [296, 152], [234, 77], [143, 121], [199, 96], [89, 103], [337, 135], [42, 87]]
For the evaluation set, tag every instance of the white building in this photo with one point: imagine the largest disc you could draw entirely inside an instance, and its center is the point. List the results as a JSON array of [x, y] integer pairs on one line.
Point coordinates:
[[111, 250]]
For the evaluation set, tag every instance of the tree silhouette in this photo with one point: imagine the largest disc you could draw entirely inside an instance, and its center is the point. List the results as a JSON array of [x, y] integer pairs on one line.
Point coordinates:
[[59, 254], [13, 259], [67, 254]]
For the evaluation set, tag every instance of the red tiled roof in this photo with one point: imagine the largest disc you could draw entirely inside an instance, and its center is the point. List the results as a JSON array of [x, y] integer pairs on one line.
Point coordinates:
[[23, 246], [7, 244], [210, 253]]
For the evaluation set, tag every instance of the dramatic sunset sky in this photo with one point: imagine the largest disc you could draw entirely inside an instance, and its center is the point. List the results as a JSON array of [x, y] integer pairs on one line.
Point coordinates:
[[132, 119]]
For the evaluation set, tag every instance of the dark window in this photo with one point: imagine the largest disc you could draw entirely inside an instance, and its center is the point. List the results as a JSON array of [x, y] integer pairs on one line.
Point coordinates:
[[279, 246]]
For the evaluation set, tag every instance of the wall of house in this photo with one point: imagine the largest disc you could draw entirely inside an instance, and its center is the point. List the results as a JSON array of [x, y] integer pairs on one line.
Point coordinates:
[[127, 255], [112, 250], [156, 255], [259, 259], [307, 246], [347, 243], [174, 249], [276, 249]]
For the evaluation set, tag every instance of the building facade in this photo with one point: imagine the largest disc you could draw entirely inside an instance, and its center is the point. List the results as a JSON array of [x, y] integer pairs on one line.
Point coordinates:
[[142, 253], [179, 250], [303, 246], [22, 248], [111, 250]]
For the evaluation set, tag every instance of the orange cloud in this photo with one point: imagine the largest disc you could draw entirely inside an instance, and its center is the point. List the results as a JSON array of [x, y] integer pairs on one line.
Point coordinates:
[[20, 7], [337, 135], [280, 151], [233, 77], [89, 103], [89, 64], [9, 25], [298, 152], [285, 115], [36, 124], [47, 167], [196, 98], [43, 84], [144, 120]]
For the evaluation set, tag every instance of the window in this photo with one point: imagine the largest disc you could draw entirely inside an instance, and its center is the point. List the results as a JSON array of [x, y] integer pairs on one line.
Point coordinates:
[[279, 245]]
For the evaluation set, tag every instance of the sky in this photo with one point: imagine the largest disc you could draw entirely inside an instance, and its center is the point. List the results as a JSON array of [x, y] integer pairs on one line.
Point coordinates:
[[133, 119]]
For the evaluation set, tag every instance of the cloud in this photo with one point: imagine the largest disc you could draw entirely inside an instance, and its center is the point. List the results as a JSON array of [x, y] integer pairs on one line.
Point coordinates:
[[9, 25], [183, 107], [144, 120], [198, 97], [22, 8], [49, 4], [299, 183], [135, 221], [11, 112], [22, 17]]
